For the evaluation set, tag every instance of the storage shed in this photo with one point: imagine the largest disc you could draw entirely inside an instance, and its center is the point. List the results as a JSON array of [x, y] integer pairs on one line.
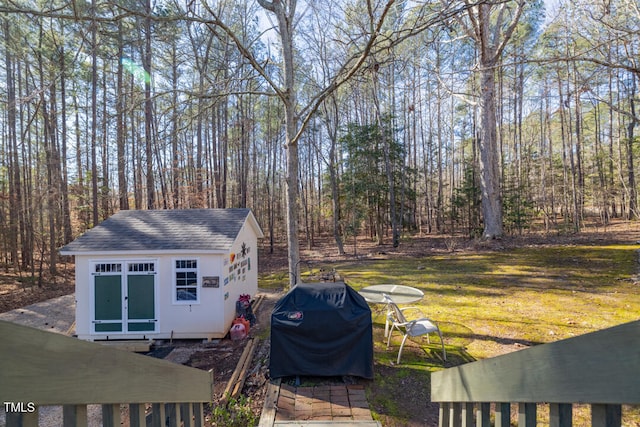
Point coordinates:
[[154, 274]]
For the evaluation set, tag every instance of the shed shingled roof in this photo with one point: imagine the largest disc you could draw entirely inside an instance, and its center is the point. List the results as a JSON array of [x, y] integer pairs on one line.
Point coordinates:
[[163, 230]]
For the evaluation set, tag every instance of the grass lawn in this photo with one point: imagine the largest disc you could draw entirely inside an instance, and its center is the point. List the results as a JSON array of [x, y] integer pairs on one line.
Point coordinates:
[[491, 303], [494, 302]]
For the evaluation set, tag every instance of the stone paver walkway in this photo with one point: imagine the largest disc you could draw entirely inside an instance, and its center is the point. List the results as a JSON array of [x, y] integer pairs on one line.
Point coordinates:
[[319, 406], [323, 403]]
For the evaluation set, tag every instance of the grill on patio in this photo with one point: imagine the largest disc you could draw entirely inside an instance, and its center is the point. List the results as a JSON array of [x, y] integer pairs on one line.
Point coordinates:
[[321, 329]]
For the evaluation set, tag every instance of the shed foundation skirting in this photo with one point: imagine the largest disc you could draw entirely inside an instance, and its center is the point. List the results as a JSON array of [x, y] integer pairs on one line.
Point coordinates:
[[160, 336], [195, 335], [136, 346]]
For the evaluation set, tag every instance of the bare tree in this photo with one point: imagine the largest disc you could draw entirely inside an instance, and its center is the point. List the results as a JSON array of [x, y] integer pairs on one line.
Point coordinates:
[[490, 25], [296, 117], [295, 122]]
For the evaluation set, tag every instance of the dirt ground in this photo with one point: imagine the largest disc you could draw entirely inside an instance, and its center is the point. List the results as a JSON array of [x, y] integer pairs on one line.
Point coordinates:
[[226, 356], [17, 290]]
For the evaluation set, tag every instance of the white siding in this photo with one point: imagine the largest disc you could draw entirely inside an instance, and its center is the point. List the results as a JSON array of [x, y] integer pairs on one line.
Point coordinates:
[[244, 278]]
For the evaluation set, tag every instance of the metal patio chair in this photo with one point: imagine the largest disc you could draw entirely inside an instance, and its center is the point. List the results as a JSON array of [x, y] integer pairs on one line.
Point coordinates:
[[410, 328]]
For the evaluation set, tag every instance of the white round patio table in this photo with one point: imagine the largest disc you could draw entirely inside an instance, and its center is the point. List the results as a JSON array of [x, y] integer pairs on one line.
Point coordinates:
[[400, 294]]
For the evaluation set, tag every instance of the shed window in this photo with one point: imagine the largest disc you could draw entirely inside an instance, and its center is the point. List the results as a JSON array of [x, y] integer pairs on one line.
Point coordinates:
[[142, 267], [186, 280], [107, 268]]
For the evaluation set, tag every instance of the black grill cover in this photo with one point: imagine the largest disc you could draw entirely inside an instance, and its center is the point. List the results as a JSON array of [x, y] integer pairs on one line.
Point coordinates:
[[321, 329]]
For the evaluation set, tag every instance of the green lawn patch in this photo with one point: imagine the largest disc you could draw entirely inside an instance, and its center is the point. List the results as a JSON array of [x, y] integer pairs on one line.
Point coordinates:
[[489, 303], [494, 302]]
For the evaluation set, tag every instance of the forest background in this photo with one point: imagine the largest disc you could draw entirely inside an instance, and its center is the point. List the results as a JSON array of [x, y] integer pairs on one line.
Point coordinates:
[[380, 105]]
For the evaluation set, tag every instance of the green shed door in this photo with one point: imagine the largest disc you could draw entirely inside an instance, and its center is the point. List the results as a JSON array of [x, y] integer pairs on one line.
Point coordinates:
[[141, 313], [108, 303]]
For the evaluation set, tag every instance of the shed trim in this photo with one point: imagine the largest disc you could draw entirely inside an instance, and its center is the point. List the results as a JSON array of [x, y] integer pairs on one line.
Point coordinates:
[[149, 254]]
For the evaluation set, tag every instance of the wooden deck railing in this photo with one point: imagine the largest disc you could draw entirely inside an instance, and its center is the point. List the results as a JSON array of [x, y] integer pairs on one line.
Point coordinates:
[[39, 368], [601, 369]]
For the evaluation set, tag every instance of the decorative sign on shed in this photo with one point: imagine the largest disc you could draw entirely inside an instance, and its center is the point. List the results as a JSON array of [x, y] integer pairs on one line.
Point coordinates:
[[211, 282]]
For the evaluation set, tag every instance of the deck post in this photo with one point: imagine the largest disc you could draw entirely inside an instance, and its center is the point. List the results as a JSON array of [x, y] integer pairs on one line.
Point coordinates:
[[20, 419], [606, 415], [527, 414], [137, 416], [560, 415], [455, 412], [443, 416], [467, 415], [186, 410], [173, 414], [158, 415], [503, 414], [484, 415], [198, 409], [74, 416], [111, 415]]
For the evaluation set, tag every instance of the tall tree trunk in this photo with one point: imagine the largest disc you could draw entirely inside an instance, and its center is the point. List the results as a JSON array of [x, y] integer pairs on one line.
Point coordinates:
[[215, 152], [48, 141], [148, 109], [271, 178], [198, 187], [15, 187], [578, 151], [54, 180], [489, 155], [65, 210], [83, 215], [243, 149], [284, 15], [175, 159], [224, 166], [388, 164], [611, 159], [94, 114], [633, 198], [136, 153], [439, 202], [603, 191], [572, 162], [123, 194], [491, 35], [332, 119], [27, 225], [104, 178], [563, 135]]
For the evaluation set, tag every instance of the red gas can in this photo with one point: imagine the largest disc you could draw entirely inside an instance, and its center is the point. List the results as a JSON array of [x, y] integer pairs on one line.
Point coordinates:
[[238, 332]]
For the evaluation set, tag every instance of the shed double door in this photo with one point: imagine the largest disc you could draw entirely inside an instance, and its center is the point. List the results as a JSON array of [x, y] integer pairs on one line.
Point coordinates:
[[124, 297]]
